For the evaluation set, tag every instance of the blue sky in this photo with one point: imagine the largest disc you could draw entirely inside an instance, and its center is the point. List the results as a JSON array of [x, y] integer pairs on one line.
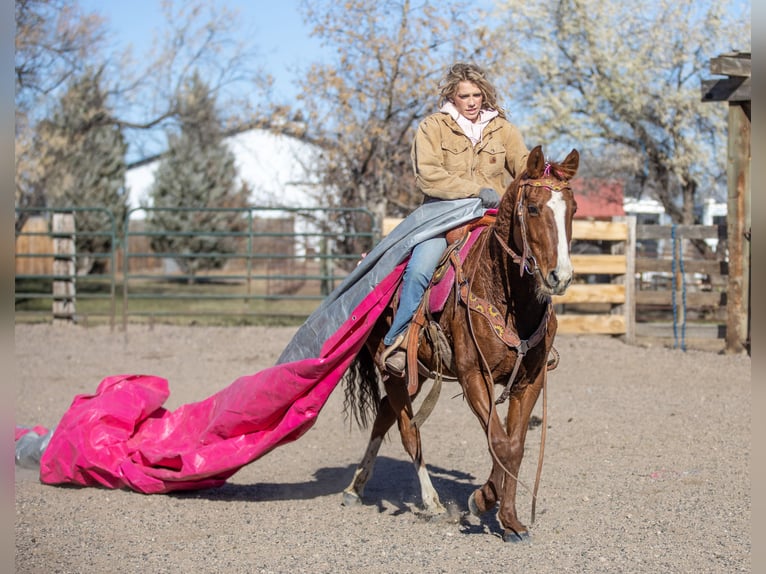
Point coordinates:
[[281, 39]]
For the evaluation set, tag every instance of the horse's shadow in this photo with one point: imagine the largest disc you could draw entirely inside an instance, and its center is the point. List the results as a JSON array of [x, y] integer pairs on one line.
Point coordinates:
[[394, 484]]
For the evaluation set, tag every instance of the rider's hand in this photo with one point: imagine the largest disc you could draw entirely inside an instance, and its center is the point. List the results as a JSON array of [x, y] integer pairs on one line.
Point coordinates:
[[489, 198]]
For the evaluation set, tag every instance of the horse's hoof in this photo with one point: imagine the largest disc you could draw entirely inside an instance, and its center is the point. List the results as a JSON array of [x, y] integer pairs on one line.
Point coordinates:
[[437, 511], [473, 508], [513, 536], [351, 499]]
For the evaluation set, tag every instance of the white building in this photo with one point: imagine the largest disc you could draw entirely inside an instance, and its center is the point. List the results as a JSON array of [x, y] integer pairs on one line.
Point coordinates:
[[276, 167]]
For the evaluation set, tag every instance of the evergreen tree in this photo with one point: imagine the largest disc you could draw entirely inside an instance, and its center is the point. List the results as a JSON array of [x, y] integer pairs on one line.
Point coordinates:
[[197, 173], [83, 162]]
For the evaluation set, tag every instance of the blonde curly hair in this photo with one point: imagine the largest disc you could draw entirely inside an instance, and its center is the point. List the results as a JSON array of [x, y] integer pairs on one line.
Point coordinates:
[[467, 72]]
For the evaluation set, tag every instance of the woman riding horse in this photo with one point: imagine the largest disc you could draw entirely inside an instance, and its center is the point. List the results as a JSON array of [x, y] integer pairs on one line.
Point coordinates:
[[498, 324], [466, 149]]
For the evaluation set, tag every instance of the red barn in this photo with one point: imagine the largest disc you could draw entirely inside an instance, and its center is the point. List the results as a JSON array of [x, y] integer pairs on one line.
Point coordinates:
[[598, 199]]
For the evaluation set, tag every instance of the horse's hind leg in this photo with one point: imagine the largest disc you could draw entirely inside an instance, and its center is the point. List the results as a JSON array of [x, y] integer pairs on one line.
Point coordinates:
[[384, 420], [410, 435]]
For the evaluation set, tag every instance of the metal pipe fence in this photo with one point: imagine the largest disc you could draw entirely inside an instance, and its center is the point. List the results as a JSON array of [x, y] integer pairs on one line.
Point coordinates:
[[218, 265]]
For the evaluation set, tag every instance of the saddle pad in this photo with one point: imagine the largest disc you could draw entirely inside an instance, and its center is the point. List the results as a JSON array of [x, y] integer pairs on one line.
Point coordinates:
[[441, 290]]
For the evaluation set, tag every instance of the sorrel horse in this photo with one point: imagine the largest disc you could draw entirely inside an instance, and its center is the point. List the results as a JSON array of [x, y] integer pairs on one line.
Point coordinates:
[[496, 328]]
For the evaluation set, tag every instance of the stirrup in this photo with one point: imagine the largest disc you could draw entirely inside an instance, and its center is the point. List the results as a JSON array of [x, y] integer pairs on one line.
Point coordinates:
[[396, 362], [394, 357]]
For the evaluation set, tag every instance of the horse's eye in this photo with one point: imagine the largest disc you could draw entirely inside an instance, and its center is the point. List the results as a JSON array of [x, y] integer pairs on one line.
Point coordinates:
[[532, 209]]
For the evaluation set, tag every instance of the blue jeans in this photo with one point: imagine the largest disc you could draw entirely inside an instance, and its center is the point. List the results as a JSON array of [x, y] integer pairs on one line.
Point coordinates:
[[420, 268]]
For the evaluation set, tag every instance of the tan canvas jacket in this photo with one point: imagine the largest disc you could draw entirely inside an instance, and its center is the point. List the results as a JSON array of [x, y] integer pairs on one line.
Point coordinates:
[[448, 166]]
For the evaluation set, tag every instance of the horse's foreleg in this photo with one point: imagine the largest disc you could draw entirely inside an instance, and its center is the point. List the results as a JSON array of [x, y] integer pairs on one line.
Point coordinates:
[[485, 497], [384, 420], [520, 407]]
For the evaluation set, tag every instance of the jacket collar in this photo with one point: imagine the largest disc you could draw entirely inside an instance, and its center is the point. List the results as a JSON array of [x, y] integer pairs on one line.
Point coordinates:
[[472, 130]]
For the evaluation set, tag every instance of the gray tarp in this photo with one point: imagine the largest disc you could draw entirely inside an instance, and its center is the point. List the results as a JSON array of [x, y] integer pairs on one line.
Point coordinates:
[[428, 220]]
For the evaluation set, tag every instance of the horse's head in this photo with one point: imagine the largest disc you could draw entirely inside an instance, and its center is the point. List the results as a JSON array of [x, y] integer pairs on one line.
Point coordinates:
[[538, 209]]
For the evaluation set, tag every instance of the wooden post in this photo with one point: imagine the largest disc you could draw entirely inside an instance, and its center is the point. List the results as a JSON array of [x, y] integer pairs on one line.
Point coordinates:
[[738, 231], [630, 282], [64, 268], [736, 91]]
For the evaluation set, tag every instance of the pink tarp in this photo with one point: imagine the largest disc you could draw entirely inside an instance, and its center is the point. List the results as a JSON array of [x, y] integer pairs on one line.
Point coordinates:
[[122, 437]]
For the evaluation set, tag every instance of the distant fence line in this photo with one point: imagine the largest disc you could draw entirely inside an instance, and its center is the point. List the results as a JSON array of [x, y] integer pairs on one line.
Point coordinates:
[[643, 282], [273, 262]]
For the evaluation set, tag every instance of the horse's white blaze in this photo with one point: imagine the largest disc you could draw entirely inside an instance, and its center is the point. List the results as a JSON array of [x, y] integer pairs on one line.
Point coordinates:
[[563, 262]]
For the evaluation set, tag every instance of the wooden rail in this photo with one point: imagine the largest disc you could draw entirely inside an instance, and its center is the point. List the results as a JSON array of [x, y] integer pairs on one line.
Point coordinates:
[[600, 301], [685, 302]]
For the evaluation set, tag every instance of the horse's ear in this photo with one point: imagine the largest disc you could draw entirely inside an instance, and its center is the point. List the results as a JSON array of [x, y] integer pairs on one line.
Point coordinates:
[[568, 168], [536, 163]]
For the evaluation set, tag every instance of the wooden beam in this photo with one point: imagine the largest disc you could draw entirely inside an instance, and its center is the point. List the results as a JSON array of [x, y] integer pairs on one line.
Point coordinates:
[[694, 299], [64, 268], [731, 65], [645, 231], [601, 324], [731, 89], [601, 230], [592, 293], [389, 223], [600, 264], [707, 266], [738, 222], [630, 283]]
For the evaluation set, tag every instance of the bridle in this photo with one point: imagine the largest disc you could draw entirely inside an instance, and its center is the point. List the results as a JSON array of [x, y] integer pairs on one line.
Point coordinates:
[[526, 260]]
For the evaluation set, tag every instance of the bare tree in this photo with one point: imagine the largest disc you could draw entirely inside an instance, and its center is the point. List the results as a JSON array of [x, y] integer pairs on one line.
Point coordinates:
[[55, 39], [623, 84], [196, 37], [363, 104]]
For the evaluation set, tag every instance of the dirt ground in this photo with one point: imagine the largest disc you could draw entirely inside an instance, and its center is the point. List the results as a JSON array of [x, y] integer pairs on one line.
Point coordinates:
[[647, 469]]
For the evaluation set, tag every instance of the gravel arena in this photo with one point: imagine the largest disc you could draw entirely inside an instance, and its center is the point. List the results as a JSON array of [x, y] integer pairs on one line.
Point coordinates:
[[646, 469]]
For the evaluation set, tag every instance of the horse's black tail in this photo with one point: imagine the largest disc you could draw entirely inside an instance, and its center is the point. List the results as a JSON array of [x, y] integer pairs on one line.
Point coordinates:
[[361, 389]]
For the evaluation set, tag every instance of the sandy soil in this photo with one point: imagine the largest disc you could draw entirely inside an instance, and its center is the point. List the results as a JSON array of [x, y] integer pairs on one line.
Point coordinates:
[[646, 470]]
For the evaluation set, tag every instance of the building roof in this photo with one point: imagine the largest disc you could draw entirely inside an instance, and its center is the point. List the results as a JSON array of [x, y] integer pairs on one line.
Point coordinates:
[[598, 199]]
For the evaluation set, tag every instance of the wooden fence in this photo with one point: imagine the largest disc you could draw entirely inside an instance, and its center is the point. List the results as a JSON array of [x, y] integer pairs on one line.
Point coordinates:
[[645, 283], [600, 300], [681, 297], [648, 283]]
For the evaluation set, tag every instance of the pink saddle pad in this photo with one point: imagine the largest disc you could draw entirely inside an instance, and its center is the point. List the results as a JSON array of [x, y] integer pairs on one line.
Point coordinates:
[[441, 290]]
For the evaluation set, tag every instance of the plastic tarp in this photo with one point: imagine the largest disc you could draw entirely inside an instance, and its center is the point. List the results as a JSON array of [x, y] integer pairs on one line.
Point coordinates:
[[122, 437]]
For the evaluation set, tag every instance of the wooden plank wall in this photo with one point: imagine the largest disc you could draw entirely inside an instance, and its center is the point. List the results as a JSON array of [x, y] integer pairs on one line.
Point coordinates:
[[600, 300], [34, 248]]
